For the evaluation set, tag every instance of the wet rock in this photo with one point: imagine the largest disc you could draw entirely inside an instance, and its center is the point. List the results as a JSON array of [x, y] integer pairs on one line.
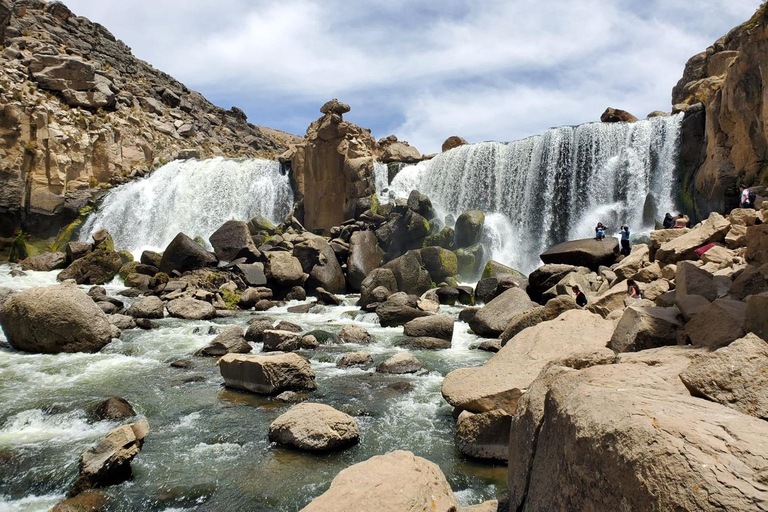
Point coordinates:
[[284, 325], [327, 298], [108, 308], [314, 427], [97, 267], [296, 293], [184, 254], [268, 375], [251, 296], [423, 343], [319, 261], [467, 314], [380, 277], [490, 346], [484, 436], [492, 319], [616, 115], [398, 310], [290, 397], [122, 322], [447, 295], [76, 250], [146, 324], [184, 364], [88, 501], [351, 333], [438, 326], [256, 328], [586, 252], [411, 277], [421, 204], [397, 481], [400, 363], [230, 341], [642, 328], [355, 359], [440, 263], [325, 337], [191, 309], [148, 307], [151, 258], [286, 341], [468, 228], [55, 319], [302, 308], [114, 408], [45, 262], [109, 461]]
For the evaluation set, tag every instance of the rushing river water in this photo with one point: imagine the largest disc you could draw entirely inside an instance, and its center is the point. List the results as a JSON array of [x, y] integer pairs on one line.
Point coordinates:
[[208, 448]]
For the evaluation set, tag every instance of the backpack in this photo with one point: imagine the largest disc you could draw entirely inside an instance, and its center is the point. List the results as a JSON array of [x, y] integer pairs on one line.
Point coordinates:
[[752, 198]]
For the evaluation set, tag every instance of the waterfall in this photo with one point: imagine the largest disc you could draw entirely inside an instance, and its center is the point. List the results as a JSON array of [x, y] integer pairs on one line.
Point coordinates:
[[192, 196], [554, 187]]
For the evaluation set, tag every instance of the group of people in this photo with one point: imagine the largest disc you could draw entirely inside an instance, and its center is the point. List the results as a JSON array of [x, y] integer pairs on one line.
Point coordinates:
[[633, 292], [625, 245], [675, 222]]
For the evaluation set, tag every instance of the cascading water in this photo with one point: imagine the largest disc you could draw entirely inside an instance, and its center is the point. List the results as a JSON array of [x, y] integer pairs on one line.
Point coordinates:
[[554, 187], [194, 197]]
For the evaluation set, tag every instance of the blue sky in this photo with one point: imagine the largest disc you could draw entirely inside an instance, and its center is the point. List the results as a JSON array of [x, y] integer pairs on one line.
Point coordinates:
[[424, 70]]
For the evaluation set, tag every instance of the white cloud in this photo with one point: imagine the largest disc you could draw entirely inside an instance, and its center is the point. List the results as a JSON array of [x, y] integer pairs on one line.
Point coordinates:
[[491, 69]]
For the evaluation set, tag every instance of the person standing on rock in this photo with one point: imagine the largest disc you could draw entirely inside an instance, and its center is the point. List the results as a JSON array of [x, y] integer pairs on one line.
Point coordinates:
[[745, 202], [599, 231], [625, 247], [581, 299]]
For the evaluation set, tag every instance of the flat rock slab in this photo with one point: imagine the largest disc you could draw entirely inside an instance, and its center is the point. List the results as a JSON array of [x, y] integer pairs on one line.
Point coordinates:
[[315, 428], [586, 252], [395, 482], [267, 375]]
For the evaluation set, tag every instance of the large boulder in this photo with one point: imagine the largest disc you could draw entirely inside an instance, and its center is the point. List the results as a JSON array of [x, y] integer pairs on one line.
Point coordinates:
[[692, 280], [683, 247], [352, 333], [267, 375], [437, 326], [380, 277], [616, 436], [411, 276], [148, 307], [314, 428], [400, 363], [421, 204], [752, 280], [616, 115], [398, 309], [400, 152], [493, 318], [55, 319], [319, 261], [757, 244], [284, 270], [470, 261], [484, 436], [661, 236], [230, 341], [505, 377], [99, 266], [632, 264], [757, 315], [395, 482], [230, 239], [734, 376], [535, 316], [184, 254], [276, 340], [469, 228], [644, 328], [45, 262], [191, 309], [365, 255], [587, 252], [109, 461], [440, 263], [718, 325], [545, 277]]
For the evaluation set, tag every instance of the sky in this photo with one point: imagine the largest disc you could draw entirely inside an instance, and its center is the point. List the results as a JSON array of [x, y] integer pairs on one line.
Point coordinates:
[[424, 70]]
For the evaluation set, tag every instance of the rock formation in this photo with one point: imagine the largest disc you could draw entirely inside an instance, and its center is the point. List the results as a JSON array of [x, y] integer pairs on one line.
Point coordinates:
[[80, 112]]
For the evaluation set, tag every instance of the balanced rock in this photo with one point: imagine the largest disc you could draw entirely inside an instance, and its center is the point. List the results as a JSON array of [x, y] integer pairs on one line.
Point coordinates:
[[314, 428], [191, 309], [55, 319], [230, 341], [267, 375], [148, 307], [492, 319], [395, 482]]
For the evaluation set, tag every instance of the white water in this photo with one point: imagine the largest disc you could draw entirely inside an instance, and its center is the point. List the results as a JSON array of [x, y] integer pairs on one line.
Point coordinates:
[[194, 197], [554, 187]]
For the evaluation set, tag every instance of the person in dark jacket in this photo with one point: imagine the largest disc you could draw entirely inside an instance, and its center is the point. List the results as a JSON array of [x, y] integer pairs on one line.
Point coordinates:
[[581, 299], [669, 221], [625, 247]]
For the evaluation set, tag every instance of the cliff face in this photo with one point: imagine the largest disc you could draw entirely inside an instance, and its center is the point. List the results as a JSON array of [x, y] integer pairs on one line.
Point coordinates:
[[78, 111], [727, 143]]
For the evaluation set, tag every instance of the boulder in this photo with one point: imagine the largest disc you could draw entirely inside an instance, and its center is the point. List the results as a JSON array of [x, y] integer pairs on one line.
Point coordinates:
[[398, 310], [400, 363], [437, 326], [496, 269], [255, 330], [151, 258], [644, 328], [114, 408], [736, 237], [76, 250], [326, 297], [88, 501], [423, 343], [672, 447], [395, 482], [45, 262], [484, 436], [287, 341], [421, 204], [148, 307], [757, 315], [661, 236], [691, 305], [351, 333], [616, 115], [230, 341], [184, 254], [109, 461], [470, 260], [712, 230], [454, 141], [545, 277], [647, 274], [411, 276], [632, 264], [354, 359], [122, 322], [284, 270], [718, 325], [400, 152], [537, 315], [365, 255], [315, 428], [97, 267], [191, 309], [733, 376], [267, 375], [752, 281], [253, 273], [230, 239], [55, 319], [504, 378], [319, 261], [378, 278], [492, 319], [757, 244], [469, 228], [586, 252], [440, 263], [742, 217], [252, 295]]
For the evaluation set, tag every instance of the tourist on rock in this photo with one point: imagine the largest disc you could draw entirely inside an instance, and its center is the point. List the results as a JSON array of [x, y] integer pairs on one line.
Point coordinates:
[[633, 291], [745, 203], [681, 221], [581, 299], [599, 231], [669, 221], [625, 248]]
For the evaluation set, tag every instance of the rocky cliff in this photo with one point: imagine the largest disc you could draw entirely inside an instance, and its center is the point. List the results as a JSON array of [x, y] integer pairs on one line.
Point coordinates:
[[79, 112], [725, 136]]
